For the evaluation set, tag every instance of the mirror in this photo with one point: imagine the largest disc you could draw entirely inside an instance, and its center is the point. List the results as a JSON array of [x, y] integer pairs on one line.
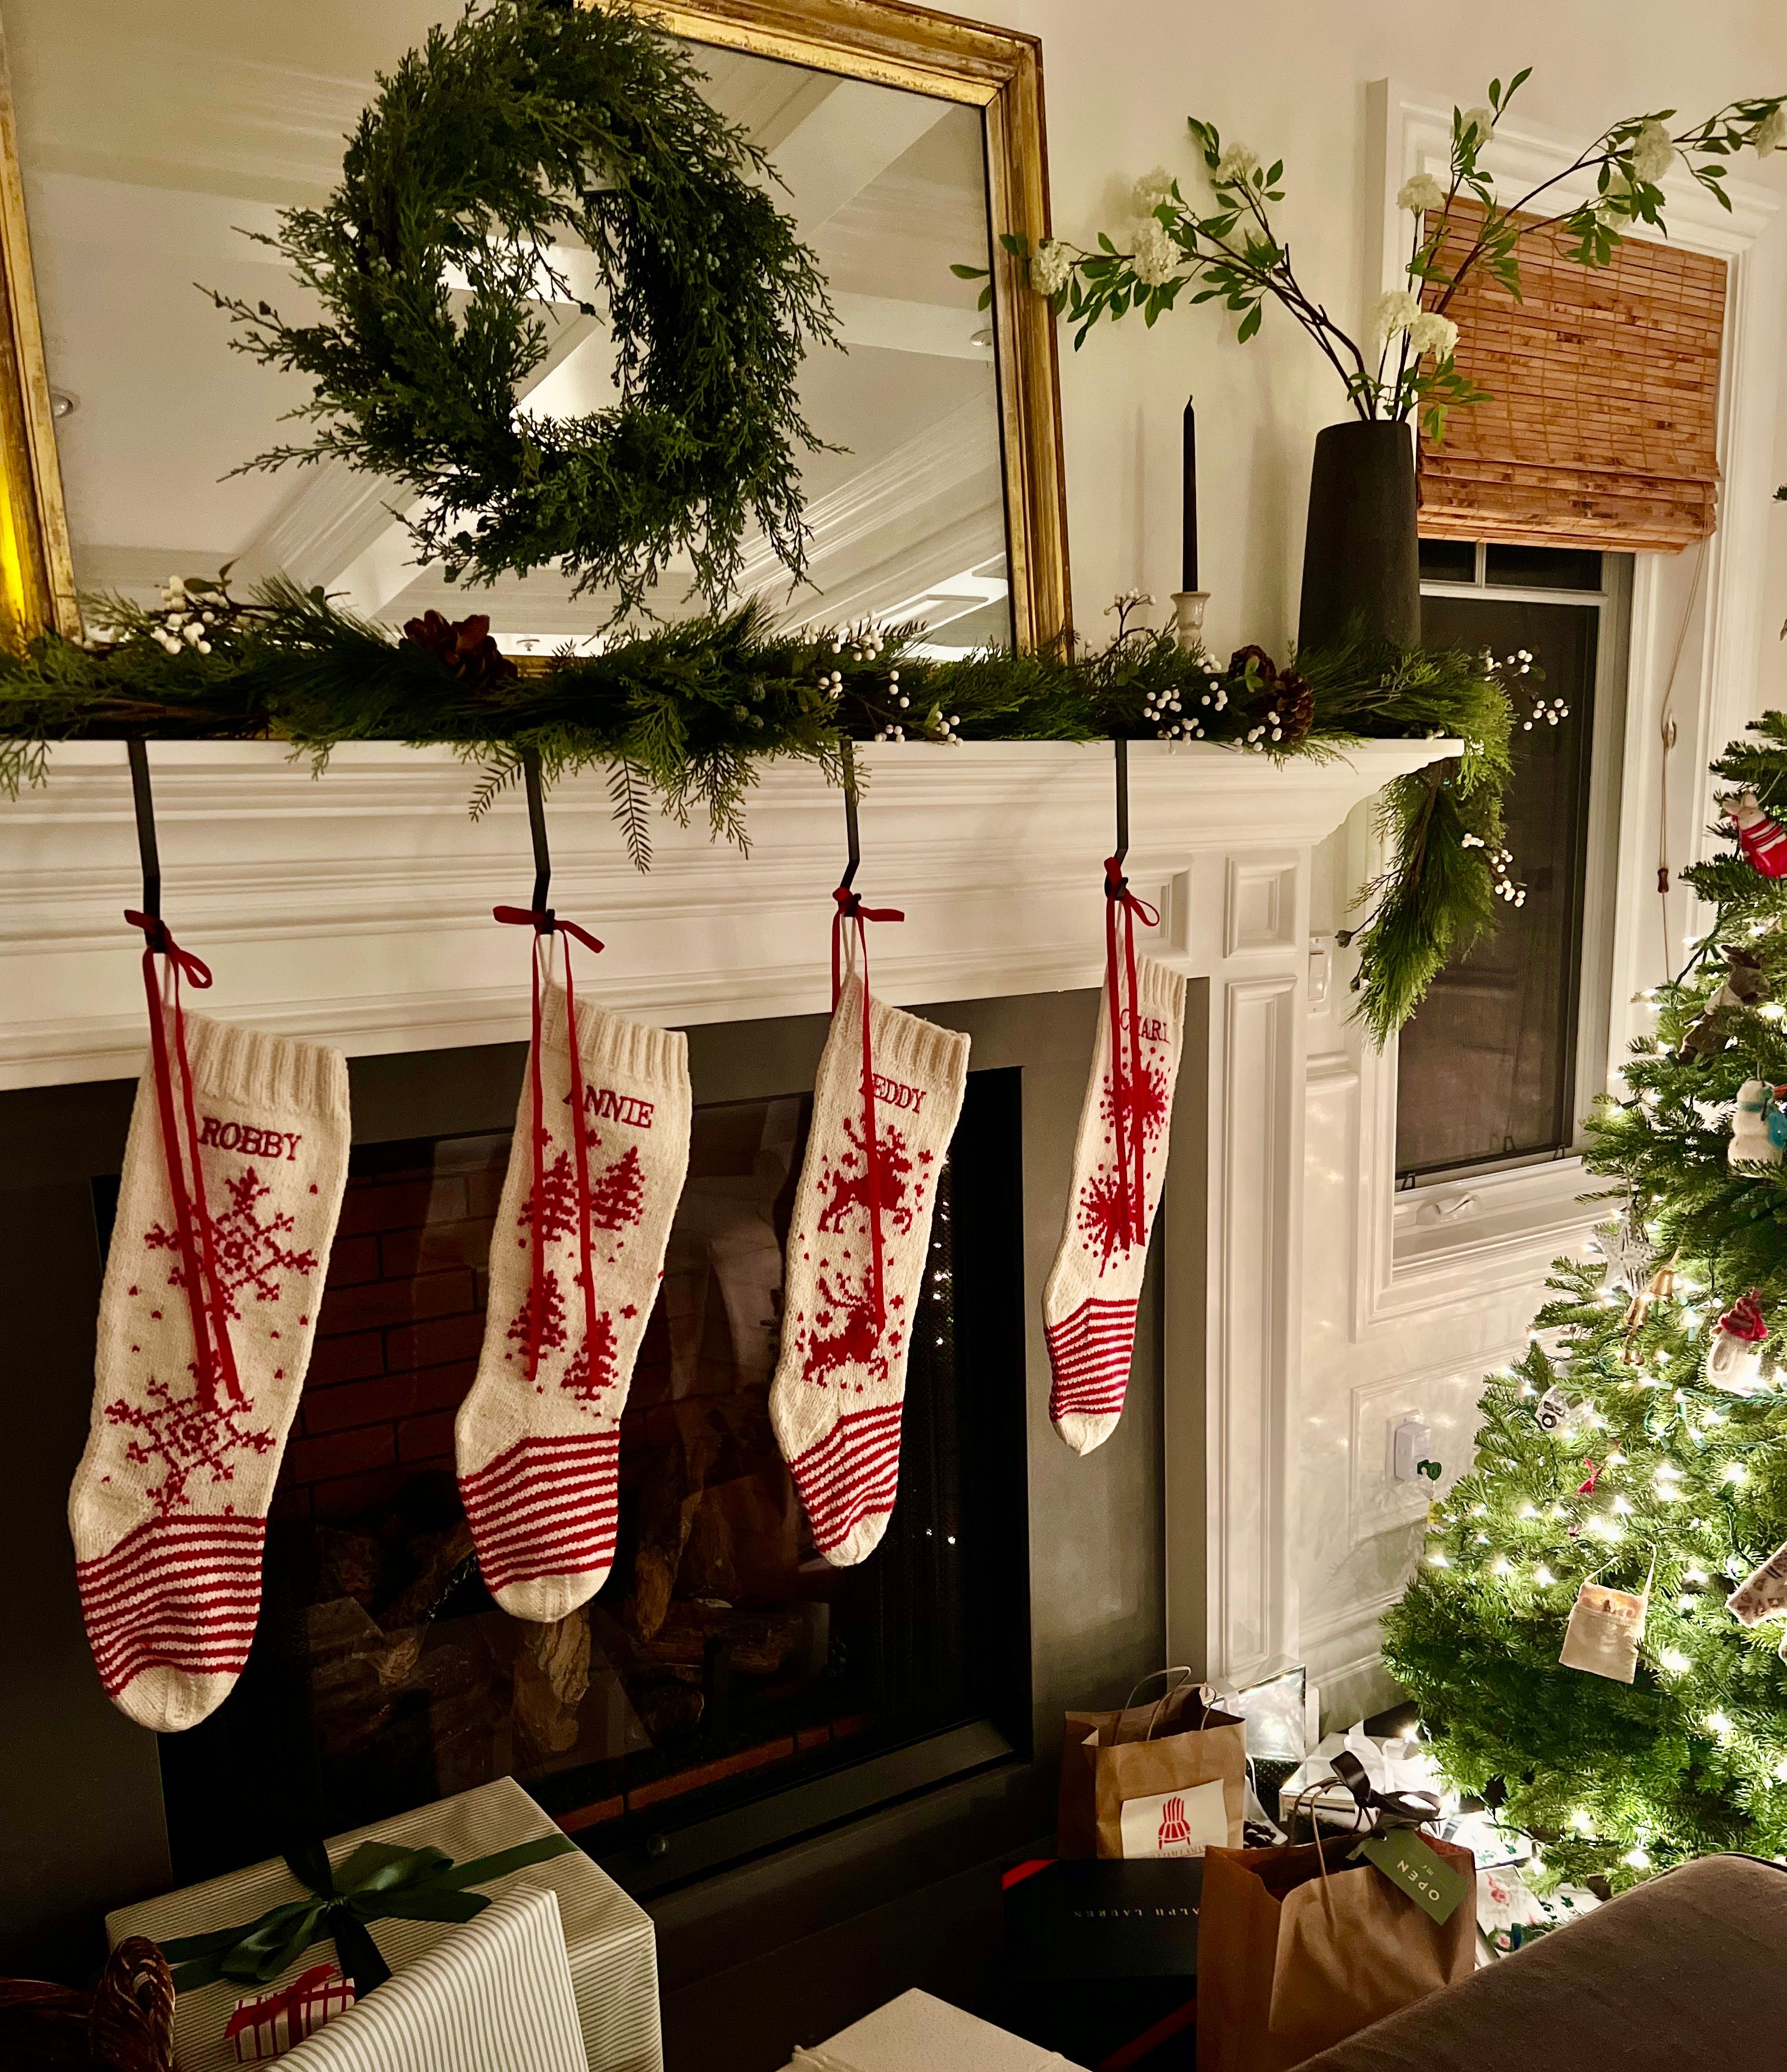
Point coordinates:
[[149, 142]]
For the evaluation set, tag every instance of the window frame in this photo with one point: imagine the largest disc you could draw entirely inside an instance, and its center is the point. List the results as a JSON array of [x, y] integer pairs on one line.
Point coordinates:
[[1594, 950]]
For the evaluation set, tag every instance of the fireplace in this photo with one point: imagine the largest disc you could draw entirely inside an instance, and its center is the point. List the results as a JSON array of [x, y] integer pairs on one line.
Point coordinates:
[[726, 1680], [794, 1894]]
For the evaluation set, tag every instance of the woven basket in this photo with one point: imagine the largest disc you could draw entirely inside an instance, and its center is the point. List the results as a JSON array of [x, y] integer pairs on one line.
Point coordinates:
[[125, 2025]]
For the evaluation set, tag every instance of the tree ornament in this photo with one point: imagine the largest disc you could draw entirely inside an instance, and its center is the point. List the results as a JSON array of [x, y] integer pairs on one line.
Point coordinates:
[[1659, 1288], [1753, 1142], [1734, 1358], [1626, 1245], [1555, 1410], [1763, 1594], [1605, 1628], [1760, 838], [1744, 986], [524, 125]]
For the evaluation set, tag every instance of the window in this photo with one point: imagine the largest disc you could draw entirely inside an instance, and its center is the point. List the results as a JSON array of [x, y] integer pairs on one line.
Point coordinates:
[[1509, 1049]]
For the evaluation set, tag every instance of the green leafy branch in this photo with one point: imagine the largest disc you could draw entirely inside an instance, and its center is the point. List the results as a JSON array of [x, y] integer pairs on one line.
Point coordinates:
[[1230, 252]]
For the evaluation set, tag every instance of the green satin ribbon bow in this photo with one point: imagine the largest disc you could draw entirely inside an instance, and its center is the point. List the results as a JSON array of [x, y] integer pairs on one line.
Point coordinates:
[[380, 1881]]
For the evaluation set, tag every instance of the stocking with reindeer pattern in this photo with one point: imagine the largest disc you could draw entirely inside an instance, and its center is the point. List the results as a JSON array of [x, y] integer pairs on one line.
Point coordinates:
[[884, 1107]]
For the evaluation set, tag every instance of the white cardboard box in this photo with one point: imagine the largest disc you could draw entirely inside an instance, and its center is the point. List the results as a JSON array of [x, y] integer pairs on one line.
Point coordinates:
[[918, 2034]]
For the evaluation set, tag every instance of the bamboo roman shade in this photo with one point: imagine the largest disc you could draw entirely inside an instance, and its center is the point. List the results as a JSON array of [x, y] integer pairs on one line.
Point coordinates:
[[1600, 425]]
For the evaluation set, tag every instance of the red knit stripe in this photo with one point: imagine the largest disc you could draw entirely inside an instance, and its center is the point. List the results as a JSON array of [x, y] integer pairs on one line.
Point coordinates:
[[179, 1561], [852, 1473], [216, 1645], [544, 1507], [192, 1607], [1090, 1354], [180, 1593], [158, 1538], [527, 1456]]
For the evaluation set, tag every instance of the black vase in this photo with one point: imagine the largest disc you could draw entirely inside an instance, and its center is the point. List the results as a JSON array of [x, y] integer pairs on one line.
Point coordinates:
[[1362, 571]]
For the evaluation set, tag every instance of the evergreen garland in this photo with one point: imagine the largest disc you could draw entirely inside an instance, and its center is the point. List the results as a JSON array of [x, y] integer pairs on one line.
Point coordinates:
[[526, 124], [681, 718], [1692, 1756]]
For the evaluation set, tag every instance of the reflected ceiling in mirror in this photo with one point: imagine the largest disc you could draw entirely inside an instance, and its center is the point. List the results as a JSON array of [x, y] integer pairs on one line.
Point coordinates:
[[151, 138]]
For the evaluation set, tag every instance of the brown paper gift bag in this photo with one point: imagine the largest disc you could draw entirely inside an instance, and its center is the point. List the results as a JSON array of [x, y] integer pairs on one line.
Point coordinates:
[[1146, 1753], [1290, 1960]]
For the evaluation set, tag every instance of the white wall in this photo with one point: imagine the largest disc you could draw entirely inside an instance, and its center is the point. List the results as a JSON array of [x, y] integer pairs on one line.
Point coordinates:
[[1289, 77]]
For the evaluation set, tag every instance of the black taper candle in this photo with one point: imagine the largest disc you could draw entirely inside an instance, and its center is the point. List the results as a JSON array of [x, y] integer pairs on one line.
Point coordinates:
[[1188, 560]]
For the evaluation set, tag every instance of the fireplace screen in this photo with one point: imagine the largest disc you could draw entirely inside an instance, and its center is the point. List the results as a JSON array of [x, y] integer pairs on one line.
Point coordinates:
[[724, 1657]]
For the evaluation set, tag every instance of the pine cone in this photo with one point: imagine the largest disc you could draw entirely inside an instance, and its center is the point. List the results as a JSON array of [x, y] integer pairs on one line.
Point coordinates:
[[464, 646], [1296, 706], [1265, 668]]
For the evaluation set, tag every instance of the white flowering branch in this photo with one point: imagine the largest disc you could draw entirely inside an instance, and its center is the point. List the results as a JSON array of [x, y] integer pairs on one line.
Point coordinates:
[[1232, 253]]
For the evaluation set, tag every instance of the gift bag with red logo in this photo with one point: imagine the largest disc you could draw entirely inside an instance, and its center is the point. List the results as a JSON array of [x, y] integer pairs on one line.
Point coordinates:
[[1165, 1779]]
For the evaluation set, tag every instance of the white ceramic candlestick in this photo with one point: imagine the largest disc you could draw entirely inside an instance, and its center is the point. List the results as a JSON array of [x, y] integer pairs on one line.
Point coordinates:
[[1188, 612]]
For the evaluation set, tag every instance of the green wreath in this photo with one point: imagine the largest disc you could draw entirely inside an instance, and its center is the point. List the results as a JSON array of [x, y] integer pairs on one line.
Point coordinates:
[[525, 120]]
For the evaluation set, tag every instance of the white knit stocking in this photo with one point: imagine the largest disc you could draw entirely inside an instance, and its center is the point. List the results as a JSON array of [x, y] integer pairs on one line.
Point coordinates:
[[1088, 1306], [538, 1437], [840, 1385], [205, 1325]]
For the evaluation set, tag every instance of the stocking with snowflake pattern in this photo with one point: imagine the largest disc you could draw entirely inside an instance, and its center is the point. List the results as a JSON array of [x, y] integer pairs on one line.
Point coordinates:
[[1119, 1161], [232, 1180], [600, 1155], [885, 1107]]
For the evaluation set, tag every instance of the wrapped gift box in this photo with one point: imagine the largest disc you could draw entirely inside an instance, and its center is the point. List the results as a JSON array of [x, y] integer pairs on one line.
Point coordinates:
[[609, 1937], [917, 2033]]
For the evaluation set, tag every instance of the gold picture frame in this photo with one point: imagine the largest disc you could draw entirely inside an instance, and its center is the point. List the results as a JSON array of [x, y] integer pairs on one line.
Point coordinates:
[[999, 71], [37, 568]]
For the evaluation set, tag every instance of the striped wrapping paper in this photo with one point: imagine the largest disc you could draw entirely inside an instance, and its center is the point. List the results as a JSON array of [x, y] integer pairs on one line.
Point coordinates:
[[609, 1939], [494, 1997]]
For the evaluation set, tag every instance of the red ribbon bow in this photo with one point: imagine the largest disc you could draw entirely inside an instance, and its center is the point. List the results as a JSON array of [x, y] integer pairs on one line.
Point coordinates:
[[1744, 1319], [850, 908], [1125, 1088], [1588, 1488], [544, 921], [269, 2007], [213, 1356]]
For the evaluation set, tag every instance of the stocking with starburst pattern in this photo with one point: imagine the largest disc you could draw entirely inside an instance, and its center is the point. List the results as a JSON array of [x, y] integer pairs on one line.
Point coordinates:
[[1119, 1161]]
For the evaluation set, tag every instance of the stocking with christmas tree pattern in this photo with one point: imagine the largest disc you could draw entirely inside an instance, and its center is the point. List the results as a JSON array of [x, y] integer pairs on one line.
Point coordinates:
[[231, 1183], [600, 1155]]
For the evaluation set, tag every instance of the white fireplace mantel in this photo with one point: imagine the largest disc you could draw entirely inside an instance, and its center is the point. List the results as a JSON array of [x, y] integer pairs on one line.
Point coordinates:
[[354, 908]]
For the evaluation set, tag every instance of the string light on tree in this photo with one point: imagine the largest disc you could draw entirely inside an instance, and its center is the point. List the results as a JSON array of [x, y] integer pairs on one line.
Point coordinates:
[[1630, 1482]]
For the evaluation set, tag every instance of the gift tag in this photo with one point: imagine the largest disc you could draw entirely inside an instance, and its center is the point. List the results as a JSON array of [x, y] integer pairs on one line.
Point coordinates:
[[1406, 1860]]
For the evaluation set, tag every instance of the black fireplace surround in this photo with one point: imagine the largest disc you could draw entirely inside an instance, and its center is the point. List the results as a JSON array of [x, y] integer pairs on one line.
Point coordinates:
[[919, 1705]]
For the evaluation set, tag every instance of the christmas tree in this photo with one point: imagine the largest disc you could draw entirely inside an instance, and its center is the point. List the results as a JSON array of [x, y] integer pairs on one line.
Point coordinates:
[[1636, 1456]]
